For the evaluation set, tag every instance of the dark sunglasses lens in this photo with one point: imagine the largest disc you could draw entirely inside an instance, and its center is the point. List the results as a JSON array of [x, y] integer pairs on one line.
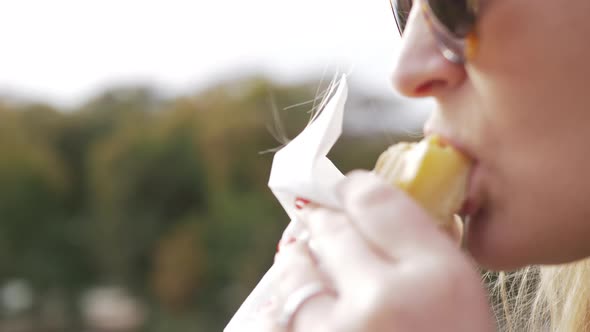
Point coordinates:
[[458, 16], [401, 11]]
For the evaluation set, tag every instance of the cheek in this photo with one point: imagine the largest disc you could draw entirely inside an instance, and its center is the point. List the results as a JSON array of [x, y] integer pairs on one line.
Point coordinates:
[[538, 209], [534, 148], [536, 42], [530, 78]]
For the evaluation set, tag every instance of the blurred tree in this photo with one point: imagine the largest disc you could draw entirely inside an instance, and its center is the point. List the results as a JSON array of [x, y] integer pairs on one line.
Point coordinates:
[[94, 121], [178, 266], [144, 179], [166, 198], [33, 186]]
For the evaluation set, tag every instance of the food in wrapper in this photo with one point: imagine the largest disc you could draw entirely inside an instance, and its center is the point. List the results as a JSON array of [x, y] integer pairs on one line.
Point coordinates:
[[430, 171]]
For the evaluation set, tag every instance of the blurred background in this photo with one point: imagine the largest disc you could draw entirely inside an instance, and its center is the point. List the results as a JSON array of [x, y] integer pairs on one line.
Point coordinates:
[[133, 176]]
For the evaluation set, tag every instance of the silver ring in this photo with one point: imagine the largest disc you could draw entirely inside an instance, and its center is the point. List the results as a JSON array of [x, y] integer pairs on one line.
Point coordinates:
[[297, 299]]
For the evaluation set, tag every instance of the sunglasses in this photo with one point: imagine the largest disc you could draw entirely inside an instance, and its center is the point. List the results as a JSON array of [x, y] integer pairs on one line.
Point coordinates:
[[452, 22]]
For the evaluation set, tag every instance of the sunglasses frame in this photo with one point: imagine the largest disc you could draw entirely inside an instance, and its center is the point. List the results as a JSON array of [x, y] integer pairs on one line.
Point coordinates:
[[455, 49]]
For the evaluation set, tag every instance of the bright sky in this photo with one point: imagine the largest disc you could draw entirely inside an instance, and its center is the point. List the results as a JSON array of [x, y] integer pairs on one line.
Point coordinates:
[[65, 50]]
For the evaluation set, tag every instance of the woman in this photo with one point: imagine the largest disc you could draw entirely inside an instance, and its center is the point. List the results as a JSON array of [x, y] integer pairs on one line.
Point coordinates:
[[510, 81]]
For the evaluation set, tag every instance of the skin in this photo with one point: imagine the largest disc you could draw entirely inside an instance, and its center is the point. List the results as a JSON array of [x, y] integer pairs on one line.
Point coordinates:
[[380, 270], [520, 108]]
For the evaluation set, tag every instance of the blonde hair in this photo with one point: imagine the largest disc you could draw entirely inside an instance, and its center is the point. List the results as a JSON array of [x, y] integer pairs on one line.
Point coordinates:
[[545, 298]]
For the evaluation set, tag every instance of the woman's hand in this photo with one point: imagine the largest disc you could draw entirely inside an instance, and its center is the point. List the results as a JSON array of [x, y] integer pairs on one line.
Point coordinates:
[[381, 264]]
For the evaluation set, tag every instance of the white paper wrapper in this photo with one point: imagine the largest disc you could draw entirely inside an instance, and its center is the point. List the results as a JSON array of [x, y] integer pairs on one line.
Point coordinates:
[[300, 169]]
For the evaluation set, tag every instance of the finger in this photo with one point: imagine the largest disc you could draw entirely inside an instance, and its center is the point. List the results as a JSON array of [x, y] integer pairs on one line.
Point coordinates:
[[389, 218], [296, 270], [317, 314], [292, 268], [295, 230], [295, 267], [337, 247]]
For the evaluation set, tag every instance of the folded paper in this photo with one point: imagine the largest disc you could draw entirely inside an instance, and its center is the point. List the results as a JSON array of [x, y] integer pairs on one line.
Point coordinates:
[[300, 169]]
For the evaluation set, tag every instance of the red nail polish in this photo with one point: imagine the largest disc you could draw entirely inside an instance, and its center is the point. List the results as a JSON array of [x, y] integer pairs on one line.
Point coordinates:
[[300, 203]]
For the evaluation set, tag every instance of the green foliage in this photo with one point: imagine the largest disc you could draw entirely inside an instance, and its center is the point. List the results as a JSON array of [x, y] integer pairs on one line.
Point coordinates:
[[166, 198]]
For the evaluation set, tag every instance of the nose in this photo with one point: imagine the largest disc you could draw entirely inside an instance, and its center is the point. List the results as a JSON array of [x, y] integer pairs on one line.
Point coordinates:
[[421, 70]]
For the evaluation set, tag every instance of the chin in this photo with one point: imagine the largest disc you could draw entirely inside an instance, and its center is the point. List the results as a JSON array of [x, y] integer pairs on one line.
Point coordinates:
[[489, 245]]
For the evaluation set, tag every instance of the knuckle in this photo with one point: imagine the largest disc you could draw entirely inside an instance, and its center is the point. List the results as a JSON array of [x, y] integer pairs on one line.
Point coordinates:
[[292, 254], [296, 228], [373, 195], [359, 181], [317, 219], [289, 280], [358, 174], [326, 222], [292, 270]]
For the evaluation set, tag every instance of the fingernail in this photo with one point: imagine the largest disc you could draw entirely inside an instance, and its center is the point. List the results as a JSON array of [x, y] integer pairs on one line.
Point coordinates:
[[300, 203]]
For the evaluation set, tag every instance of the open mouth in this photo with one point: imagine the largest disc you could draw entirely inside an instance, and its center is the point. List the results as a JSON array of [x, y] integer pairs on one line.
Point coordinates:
[[472, 207], [472, 204]]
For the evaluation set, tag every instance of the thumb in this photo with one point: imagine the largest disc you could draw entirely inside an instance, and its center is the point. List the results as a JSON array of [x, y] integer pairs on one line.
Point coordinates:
[[388, 218]]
